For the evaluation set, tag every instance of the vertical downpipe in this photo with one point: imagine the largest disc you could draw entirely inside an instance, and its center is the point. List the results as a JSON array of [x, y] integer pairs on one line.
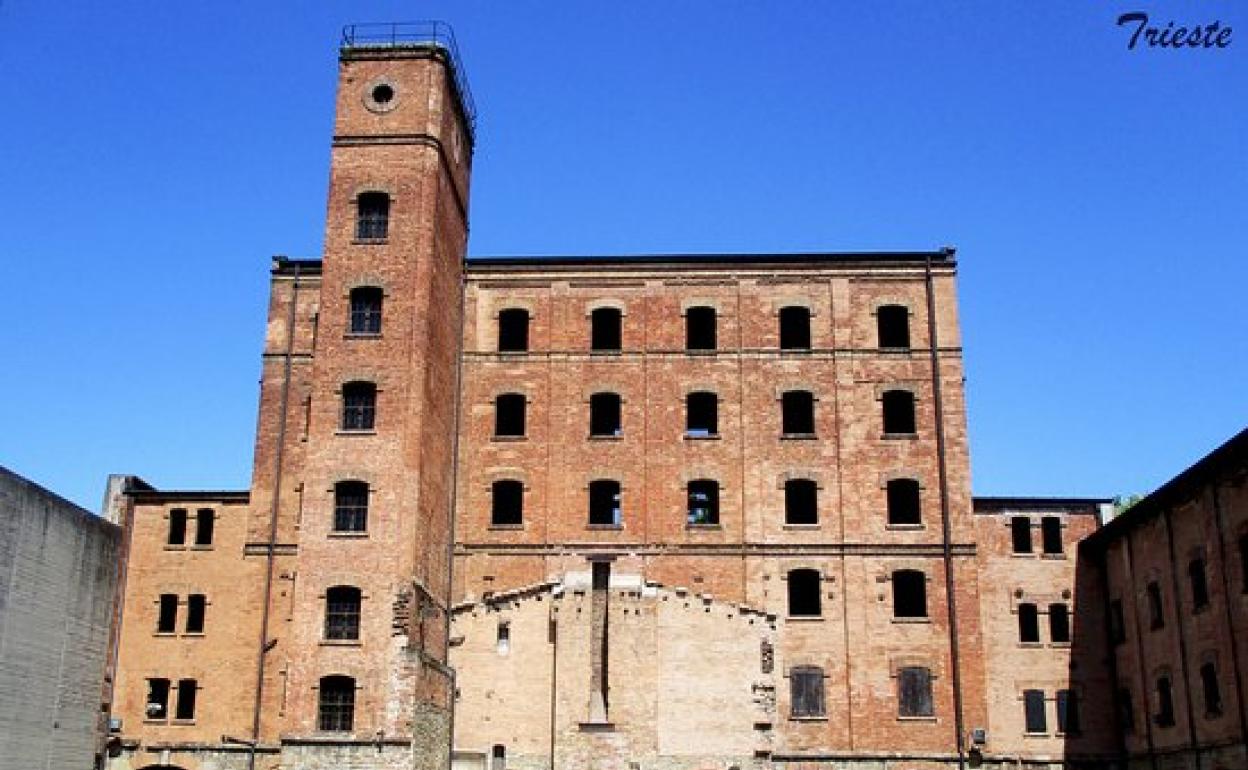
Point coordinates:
[[272, 542], [950, 595]]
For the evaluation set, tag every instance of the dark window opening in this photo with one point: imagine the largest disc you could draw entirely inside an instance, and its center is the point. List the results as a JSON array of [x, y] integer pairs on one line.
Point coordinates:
[[337, 704], [1117, 623], [509, 414], [1059, 623], [797, 409], [1068, 712], [1033, 711], [700, 328], [177, 527], [502, 639], [604, 414], [1020, 533], [703, 501], [186, 699], [794, 328], [893, 326], [604, 503], [1243, 563], [196, 607], [600, 575], [1051, 534], [342, 613], [801, 502], [359, 404], [372, 219], [157, 706], [204, 519], [1028, 623], [1156, 616], [513, 330], [1200, 585], [804, 593], [1212, 693], [1126, 710], [350, 506], [914, 692], [909, 594], [498, 757], [1165, 703], [903, 502], [605, 329], [366, 310], [167, 618], [806, 692], [507, 503], [898, 408], [701, 414]]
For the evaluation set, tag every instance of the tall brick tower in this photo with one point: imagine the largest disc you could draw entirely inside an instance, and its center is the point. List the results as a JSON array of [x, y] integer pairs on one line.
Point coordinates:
[[357, 419]]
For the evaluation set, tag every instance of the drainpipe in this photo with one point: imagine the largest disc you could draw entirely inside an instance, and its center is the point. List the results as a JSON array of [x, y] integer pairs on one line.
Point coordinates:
[[273, 511], [950, 595]]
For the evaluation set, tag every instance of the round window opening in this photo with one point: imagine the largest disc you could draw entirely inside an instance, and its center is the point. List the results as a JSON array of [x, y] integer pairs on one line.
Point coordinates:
[[383, 94]]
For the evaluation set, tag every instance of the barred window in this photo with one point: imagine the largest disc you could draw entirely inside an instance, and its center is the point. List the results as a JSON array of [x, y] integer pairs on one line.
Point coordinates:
[[372, 219], [342, 613], [366, 310], [359, 404], [337, 704], [914, 692], [350, 506], [806, 691]]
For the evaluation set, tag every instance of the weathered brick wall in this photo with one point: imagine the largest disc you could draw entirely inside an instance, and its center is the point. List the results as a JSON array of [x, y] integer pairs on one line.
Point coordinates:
[[58, 574]]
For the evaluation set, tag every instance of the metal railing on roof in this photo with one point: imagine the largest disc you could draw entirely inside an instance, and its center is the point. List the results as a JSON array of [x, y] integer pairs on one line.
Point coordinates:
[[416, 34]]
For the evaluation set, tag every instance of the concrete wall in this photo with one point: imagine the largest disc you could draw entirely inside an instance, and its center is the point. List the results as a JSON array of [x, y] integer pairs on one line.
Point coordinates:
[[58, 575]]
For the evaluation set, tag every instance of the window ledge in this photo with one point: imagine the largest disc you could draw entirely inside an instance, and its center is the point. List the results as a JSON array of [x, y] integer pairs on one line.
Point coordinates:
[[368, 241], [356, 432], [362, 336], [611, 352], [348, 535], [1031, 645], [506, 527], [1053, 556], [1035, 735], [204, 547], [169, 547], [155, 720], [798, 436], [341, 643], [808, 719], [931, 718], [799, 527], [1022, 555], [606, 437], [795, 351], [193, 635], [605, 526], [508, 439], [701, 351], [914, 436], [1060, 645], [512, 353], [916, 621], [803, 619], [707, 527], [904, 527], [165, 634], [182, 722], [896, 350], [702, 436]]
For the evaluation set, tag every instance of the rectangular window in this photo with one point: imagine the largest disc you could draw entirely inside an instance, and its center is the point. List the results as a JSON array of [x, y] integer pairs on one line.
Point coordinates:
[[1020, 533], [186, 699], [1068, 712], [1165, 703], [177, 527], [203, 526], [1059, 623], [195, 607], [1200, 584], [1033, 711], [157, 699], [914, 687], [1051, 532], [167, 616], [806, 684]]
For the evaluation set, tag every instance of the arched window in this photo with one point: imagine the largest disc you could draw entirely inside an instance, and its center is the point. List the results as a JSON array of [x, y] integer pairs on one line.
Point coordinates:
[[604, 503], [342, 613], [372, 221], [801, 502], [804, 593], [1059, 623], [700, 328], [359, 404], [350, 506], [507, 503], [703, 501], [606, 332], [914, 692], [1028, 623], [604, 414], [909, 594], [806, 692], [701, 414], [903, 502], [898, 408], [893, 326], [337, 704], [794, 328], [366, 310], [509, 414], [797, 410], [1165, 702], [513, 330]]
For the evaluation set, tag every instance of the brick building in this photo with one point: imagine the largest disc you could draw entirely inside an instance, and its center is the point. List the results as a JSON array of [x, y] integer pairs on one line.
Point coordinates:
[[682, 511]]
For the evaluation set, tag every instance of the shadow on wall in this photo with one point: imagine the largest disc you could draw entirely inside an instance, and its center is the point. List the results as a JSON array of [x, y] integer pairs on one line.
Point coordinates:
[[1087, 715]]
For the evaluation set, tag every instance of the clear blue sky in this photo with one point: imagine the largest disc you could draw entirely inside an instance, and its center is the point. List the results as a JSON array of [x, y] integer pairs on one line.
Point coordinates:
[[153, 155]]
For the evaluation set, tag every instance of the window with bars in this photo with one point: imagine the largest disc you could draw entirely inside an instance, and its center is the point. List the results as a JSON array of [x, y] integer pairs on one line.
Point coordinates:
[[909, 594], [359, 405], [350, 506], [336, 707], [606, 329], [366, 310], [604, 503], [507, 503], [806, 692], [196, 608], [805, 595], [703, 502], [1059, 623], [187, 690], [513, 330], [1033, 712], [701, 414], [700, 328], [898, 409], [509, 417], [1028, 623], [801, 501], [342, 613], [904, 505], [794, 328], [372, 220], [914, 692], [893, 326]]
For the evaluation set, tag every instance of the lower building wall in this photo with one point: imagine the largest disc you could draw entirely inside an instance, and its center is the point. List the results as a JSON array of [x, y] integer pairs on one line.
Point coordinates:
[[382, 754]]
